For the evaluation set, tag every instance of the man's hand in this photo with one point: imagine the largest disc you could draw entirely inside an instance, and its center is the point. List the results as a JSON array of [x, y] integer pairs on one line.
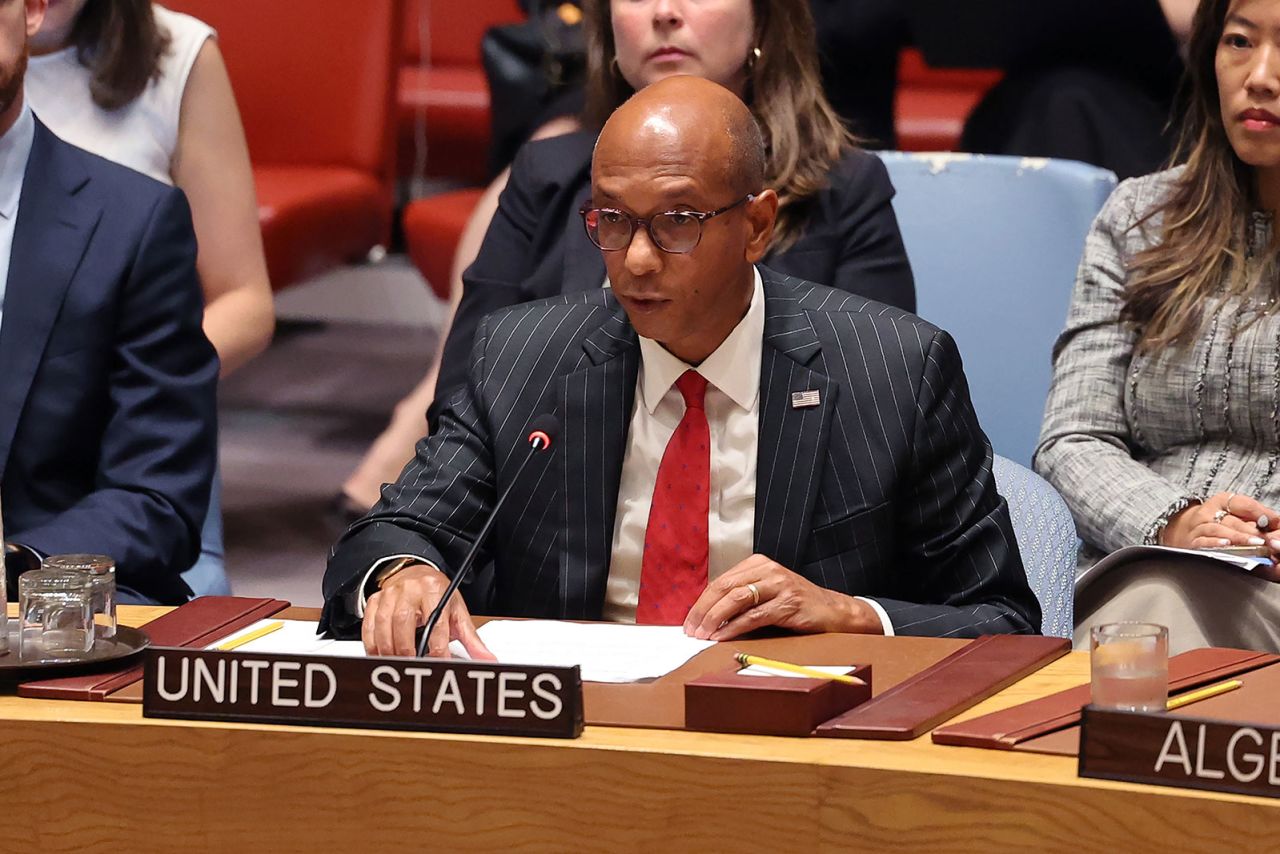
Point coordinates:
[[727, 608], [1226, 519], [393, 615]]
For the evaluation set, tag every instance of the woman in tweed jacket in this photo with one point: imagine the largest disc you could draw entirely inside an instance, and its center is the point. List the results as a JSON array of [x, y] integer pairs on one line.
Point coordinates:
[[1163, 419]]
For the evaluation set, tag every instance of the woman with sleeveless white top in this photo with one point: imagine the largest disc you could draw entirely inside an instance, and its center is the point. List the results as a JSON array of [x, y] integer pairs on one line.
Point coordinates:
[[146, 87], [172, 117]]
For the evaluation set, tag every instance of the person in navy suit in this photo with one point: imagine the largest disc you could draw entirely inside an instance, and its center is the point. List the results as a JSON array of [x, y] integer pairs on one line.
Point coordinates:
[[738, 448], [107, 383]]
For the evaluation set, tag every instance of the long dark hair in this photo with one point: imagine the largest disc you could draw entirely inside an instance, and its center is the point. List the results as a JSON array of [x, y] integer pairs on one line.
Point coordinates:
[[1205, 214], [803, 133], [121, 44]]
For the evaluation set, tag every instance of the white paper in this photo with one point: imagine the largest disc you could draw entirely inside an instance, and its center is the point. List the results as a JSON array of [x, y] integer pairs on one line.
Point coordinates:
[[606, 652], [1130, 553], [295, 636]]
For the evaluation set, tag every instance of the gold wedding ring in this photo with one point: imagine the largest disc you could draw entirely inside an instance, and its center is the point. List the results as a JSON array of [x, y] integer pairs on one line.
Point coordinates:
[[755, 594], [1230, 495]]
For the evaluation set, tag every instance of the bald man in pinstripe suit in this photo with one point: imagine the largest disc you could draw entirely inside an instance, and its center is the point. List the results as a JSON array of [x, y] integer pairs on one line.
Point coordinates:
[[738, 449]]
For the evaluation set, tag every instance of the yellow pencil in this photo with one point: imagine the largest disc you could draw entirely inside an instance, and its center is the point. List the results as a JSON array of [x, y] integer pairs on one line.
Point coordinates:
[[1203, 694], [748, 660], [253, 635]]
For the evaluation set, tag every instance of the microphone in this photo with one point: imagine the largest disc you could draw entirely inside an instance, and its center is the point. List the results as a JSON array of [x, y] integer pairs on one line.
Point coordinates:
[[542, 433]]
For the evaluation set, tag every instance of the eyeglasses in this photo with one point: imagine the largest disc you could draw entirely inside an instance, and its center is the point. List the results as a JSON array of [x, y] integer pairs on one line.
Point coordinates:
[[676, 232]]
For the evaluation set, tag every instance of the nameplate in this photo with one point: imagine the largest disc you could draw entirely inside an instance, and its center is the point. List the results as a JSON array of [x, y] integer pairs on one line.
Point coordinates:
[[1177, 751], [385, 693]]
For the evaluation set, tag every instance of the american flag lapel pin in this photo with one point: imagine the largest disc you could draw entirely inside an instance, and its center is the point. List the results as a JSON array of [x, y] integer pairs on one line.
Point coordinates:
[[805, 399]]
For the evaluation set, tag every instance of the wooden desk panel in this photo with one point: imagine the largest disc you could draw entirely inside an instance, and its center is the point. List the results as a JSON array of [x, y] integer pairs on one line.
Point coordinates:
[[139, 615], [192, 786]]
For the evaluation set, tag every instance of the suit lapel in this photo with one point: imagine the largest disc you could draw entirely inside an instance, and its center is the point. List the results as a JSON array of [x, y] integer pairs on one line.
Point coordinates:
[[596, 405], [53, 228], [792, 446]]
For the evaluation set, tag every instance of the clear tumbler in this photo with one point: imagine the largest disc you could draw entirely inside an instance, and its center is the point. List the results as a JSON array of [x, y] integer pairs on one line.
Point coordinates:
[[1129, 666], [100, 573], [56, 613]]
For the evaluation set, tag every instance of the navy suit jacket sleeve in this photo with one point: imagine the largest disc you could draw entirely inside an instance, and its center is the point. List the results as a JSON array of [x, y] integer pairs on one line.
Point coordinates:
[[158, 451]]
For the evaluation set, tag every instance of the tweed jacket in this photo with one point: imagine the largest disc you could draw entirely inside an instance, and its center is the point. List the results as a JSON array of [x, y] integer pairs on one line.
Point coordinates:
[[883, 489], [1129, 439]]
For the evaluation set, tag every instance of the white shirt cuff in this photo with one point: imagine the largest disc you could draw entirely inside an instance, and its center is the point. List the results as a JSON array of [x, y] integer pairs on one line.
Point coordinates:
[[362, 597], [880, 612]]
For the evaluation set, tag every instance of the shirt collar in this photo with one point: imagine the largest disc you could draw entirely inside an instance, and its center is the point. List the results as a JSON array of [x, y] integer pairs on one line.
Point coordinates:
[[15, 150], [734, 367]]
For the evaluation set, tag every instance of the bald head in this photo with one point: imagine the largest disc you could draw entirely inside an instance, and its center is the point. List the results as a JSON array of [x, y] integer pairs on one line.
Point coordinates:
[[678, 181], [694, 119]]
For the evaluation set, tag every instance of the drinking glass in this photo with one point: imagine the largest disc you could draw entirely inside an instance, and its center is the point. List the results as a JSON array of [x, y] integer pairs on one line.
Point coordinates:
[[100, 575], [1129, 666], [56, 613]]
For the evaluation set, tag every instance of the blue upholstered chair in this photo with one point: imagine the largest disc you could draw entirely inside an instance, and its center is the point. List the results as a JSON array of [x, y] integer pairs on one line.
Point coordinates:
[[994, 243], [1047, 539]]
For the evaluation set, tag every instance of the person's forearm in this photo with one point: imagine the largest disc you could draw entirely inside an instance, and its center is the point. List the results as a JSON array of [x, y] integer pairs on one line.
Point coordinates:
[[1116, 501], [239, 324]]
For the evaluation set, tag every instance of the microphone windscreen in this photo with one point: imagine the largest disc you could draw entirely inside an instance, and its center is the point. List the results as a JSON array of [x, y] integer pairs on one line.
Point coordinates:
[[545, 427]]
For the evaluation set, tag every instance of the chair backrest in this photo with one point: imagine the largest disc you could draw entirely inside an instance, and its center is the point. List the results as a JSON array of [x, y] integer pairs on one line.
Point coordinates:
[[1047, 540], [315, 81], [914, 71], [448, 32], [994, 243]]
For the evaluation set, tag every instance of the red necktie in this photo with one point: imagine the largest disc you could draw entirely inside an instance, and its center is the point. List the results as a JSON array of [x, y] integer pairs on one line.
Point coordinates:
[[673, 571]]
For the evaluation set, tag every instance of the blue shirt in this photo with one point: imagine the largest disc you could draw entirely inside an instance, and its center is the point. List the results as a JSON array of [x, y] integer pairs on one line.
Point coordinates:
[[15, 150]]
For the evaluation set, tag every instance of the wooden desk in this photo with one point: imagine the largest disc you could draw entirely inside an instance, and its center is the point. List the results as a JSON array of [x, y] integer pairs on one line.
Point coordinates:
[[97, 776]]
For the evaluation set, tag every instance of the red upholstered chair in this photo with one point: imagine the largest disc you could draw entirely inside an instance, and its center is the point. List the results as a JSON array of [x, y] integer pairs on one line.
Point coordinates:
[[432, 228], [315, 86], [932, 104], [442, 91]]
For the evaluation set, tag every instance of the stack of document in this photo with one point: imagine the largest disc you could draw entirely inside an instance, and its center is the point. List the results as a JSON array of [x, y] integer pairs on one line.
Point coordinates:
[[606, 652]]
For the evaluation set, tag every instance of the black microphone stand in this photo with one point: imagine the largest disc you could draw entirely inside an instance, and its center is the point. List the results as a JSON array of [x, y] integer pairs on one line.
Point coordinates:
[[539, 441]]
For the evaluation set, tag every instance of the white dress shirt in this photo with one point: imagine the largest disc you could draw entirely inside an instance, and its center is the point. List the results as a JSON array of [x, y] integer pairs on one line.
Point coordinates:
[[15, 151], [732, 405]]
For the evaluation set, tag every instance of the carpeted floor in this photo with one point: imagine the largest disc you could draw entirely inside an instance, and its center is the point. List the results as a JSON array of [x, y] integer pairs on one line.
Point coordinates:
[[293, 424]]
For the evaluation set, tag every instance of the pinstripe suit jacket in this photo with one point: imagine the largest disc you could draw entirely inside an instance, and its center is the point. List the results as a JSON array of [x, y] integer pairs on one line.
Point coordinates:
[[883, 490]]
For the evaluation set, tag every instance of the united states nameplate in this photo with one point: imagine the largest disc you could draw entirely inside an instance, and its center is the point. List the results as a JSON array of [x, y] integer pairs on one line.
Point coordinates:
[[386, 693]]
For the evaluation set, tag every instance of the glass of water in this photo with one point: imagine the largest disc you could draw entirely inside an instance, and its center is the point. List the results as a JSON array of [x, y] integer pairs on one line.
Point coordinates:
[[56, 613], [100, 575], [1129, 666]]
